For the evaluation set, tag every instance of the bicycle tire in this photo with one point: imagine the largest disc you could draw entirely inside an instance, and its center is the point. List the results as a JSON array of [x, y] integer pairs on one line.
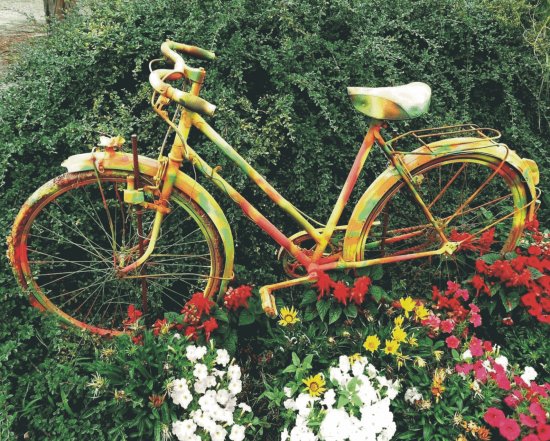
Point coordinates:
[[397, 214], [63, 246]]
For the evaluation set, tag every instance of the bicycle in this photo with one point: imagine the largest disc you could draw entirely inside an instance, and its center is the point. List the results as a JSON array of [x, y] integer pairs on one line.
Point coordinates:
[[119, 228]]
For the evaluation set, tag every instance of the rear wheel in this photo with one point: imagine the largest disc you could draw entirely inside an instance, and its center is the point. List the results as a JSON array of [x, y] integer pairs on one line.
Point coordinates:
[[75, 232], [477, 200]]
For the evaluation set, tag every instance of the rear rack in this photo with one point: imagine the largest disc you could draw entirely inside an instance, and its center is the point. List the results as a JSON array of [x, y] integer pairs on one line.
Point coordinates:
[[427, 136]]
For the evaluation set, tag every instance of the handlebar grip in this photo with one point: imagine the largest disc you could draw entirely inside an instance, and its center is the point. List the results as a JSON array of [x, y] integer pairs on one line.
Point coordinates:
[[191, 102], [194, 51]]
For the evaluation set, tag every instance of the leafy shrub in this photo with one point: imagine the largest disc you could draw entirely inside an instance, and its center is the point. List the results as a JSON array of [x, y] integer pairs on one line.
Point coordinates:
[[279, 84]]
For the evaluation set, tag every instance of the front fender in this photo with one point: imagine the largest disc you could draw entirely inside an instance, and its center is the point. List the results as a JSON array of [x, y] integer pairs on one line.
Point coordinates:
[[111, 160], [475, 147]]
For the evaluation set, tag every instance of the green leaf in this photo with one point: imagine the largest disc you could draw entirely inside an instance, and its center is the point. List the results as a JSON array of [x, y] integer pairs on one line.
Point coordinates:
[[334, 315], [310, 296], [455, 354], [295, 359], [246, 318], [221, 315], [351, 311], [535, 273], [491, 257], [377, 292], [377, 272], [322, 308], [510, 300]]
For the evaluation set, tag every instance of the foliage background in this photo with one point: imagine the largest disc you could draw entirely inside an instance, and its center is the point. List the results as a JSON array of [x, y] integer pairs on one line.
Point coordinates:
[[279, 84]]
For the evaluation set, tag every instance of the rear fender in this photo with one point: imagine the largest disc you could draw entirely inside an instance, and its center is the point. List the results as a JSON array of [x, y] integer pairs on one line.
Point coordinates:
[[471, 147], [111, 160]]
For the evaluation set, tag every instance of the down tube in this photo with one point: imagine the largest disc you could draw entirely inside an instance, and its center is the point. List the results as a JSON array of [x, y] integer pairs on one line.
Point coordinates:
[[248, 209], [258, 179]]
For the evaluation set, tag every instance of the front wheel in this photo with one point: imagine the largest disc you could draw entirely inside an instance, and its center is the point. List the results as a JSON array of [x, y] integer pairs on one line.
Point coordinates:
[[75, 232], [477, 200]]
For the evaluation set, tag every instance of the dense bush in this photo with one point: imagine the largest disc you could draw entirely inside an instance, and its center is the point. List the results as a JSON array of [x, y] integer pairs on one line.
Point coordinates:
[[279, 83]]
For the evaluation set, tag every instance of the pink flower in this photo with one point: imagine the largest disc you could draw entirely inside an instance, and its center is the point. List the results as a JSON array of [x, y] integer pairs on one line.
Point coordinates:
[[527, 421], [432, 321], [531, 437], [488, 346], [494, 417], [447, 326], [463, 368], [509, 429], [475, 319], [452, 342], [537, 410], [475, 347], [543, 431], [514, 399]]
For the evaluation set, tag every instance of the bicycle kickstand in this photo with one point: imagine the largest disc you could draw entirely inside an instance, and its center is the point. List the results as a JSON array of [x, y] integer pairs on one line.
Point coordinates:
[[268, 300]]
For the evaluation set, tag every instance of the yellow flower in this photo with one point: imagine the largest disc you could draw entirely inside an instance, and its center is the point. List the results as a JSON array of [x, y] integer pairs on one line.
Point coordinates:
[[398, 321], [412, 341], [438, 355], [371, 343], [315, 385], [398, 334], [288, 316], [391, 347], [421, 312], [457, 419], [401, 359], [408, 305], [355, 357], [461, 438], [419, 362]]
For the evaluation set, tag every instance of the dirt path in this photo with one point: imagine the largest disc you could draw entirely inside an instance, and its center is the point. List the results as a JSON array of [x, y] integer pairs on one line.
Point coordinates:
[[19, 20]]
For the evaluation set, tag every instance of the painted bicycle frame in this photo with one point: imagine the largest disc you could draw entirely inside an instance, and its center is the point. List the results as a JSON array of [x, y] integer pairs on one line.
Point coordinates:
[[317, 260]]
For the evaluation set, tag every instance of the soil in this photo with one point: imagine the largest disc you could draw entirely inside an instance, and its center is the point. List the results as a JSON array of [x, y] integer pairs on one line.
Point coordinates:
[[19, 21]]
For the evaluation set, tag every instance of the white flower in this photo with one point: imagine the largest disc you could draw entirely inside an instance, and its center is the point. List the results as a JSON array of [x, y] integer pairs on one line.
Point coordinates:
[[467, 355], [329, 398], [289, 404], [184, 429], [195, 353], [235, 386], [287, 391], [222, 357], [245, 407], [222, 396], [200, 386], [371, 371], [358, 368], [529, 374], [336, 425], [412, 395], [343, 362], [218, 433], [366, 392], [177, 336], [503, 361], [210, 381], [303, 404], [200, 372], [237, 433], [234, 372], [487, 365], [284, 435]]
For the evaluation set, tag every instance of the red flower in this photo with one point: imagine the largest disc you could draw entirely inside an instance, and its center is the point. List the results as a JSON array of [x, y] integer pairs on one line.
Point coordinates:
[[161, 327], [534, 250], [202, 303], [133, 316], [452, 342], [494, 417], [137, 340], [323, 284], [488, 346], [209, 326], [360, 289], [514, 399], [507, 321], [237, 298], [191, 332], [341, 292], [509, 429]]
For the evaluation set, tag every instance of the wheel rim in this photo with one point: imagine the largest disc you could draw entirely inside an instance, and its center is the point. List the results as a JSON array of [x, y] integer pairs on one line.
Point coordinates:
[[397, 225], [69, 254]]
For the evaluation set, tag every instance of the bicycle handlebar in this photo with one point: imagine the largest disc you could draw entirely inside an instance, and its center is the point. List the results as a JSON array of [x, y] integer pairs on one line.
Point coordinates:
[[157, 77]]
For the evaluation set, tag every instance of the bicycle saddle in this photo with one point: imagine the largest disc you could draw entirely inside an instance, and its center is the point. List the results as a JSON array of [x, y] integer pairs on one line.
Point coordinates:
[[392, 103]]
